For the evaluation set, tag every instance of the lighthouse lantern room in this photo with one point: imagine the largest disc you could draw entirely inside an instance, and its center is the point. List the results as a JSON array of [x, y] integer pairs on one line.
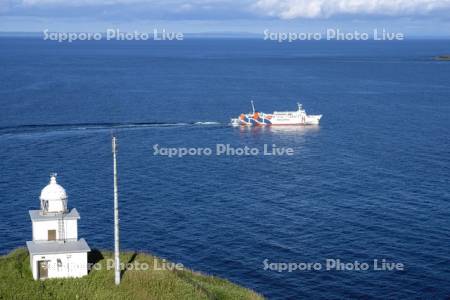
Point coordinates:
[[56, 251]]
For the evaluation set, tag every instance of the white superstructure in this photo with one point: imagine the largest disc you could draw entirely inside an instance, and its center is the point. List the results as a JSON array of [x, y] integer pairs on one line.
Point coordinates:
[[298, 117], [56, 251]]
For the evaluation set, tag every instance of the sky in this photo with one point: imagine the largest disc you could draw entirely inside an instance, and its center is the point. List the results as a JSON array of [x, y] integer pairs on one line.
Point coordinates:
[[412, 17]]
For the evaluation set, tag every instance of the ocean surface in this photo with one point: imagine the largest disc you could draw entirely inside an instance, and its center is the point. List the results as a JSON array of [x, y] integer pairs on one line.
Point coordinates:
[[371, 182]]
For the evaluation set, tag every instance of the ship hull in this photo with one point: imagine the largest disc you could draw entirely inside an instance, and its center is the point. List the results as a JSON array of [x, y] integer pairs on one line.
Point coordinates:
[[309, 120], [286, 118]]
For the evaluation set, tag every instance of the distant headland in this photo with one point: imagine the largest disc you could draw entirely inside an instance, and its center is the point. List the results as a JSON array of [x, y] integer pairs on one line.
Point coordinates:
[[442, 57]]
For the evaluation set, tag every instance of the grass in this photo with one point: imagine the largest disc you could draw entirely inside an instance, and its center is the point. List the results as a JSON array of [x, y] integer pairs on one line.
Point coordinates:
[[16, 282]]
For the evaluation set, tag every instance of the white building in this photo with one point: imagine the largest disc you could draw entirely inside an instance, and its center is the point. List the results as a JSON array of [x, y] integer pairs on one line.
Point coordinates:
[[56, 251]]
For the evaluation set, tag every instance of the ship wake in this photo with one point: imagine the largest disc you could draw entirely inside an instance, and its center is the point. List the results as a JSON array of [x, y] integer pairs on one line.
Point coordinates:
[[95, 126]]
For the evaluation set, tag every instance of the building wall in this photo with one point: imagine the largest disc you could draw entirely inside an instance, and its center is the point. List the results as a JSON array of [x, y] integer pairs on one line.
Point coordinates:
[[71, 229], [72, 265], [40, 229]]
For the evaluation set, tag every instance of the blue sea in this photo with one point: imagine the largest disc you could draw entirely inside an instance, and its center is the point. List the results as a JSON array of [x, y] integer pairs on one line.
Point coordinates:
[[371, 182]]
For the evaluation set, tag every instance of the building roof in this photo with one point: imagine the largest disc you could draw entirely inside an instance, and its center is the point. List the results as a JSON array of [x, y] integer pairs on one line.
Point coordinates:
[[36, 215], [53, 197], [53, 191], [55, 247]]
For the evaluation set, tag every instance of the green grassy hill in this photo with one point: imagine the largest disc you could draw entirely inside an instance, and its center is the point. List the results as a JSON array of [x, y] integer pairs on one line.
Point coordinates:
[[16, 282]]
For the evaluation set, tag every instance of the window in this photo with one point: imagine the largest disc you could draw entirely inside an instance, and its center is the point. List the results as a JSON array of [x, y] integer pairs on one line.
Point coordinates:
[[52, 235], [44, 205], [59, 264]]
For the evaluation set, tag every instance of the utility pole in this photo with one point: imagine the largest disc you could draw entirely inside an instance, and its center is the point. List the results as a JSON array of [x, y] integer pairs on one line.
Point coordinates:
[[116, 216]]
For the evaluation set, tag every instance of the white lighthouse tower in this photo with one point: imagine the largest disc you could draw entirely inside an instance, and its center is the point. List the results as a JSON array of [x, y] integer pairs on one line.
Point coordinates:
[[56, 251]]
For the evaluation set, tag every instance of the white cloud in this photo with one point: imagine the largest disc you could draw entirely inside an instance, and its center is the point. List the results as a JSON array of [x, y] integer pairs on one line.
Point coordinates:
[[291, 9], [227, 9], [166, 3], [76, 3]]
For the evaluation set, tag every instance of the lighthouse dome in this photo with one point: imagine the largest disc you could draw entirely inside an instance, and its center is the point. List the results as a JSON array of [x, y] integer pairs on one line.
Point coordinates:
[[53, 197]]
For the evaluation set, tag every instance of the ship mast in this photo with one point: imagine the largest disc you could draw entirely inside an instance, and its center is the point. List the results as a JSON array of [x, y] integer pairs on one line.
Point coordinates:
[[116, 216], [253, 106]]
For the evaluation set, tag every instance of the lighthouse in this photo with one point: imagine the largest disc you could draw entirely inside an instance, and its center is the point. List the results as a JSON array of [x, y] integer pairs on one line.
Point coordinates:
[[56, 251]]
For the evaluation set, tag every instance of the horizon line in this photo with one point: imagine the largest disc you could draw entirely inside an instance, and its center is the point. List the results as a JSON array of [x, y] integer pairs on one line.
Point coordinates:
[[208, 34]]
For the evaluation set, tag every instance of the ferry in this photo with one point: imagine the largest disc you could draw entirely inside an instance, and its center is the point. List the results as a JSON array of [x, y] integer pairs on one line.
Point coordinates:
[[255, 118]]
